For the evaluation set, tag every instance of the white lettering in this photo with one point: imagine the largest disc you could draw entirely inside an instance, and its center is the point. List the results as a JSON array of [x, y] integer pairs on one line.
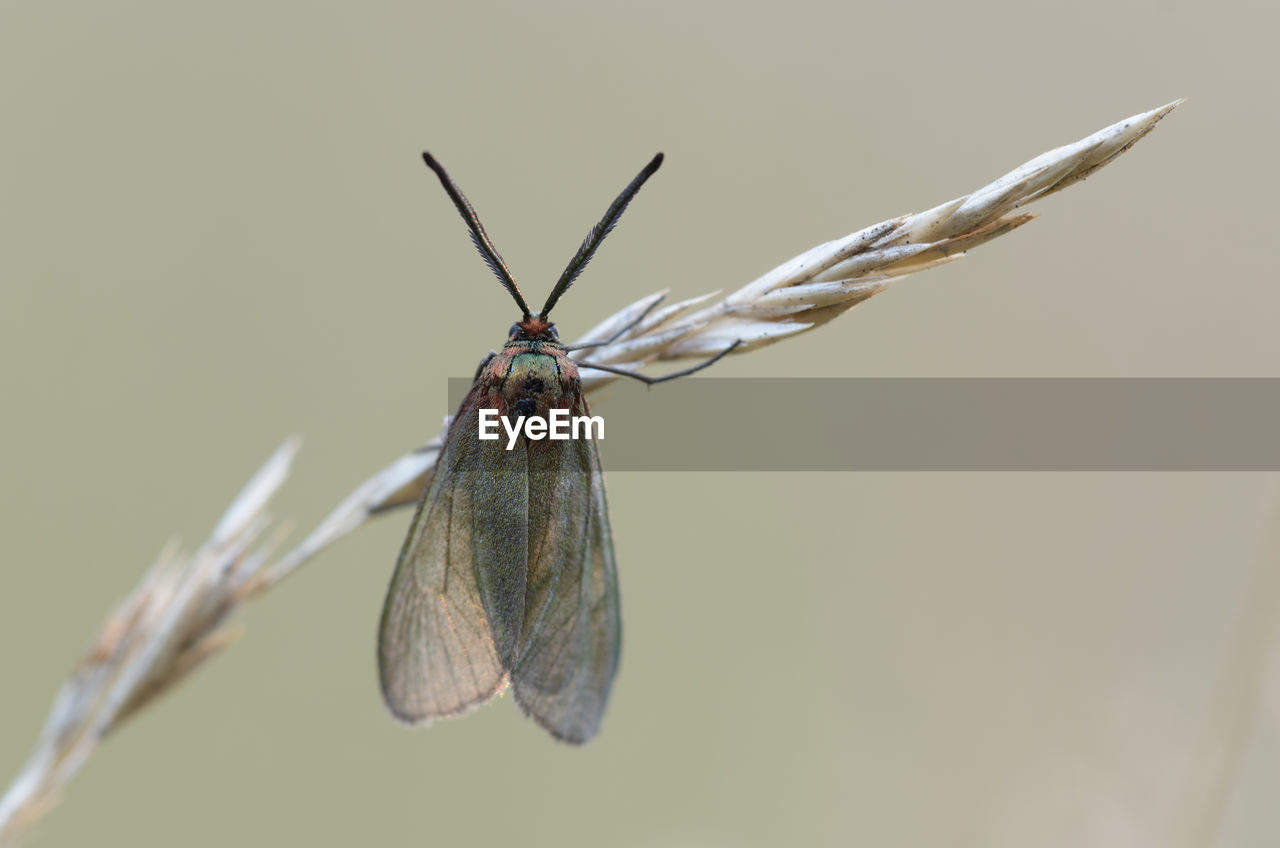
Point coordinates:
[[512, 432], [560, 426], [488, 423], [587, 422]]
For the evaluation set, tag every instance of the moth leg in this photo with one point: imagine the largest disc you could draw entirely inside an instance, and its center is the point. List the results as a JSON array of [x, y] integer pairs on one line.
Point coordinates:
[[675, 375], [629, 326]]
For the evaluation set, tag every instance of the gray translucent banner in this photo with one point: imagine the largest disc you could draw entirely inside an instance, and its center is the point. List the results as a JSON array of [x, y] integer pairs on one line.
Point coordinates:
[[882, 424]]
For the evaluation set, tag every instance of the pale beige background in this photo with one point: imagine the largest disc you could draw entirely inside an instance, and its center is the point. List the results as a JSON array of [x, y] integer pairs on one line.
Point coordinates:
[[216, 231]]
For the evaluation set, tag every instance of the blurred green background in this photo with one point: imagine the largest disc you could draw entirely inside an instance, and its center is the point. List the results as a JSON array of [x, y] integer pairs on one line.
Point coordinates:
[[217, 232]]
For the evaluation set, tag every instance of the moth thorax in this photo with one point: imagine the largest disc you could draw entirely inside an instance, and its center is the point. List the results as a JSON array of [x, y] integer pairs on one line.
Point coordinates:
[[534, 377]]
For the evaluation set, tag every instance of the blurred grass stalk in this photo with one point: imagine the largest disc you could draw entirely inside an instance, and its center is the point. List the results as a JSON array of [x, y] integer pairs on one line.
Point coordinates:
[[177, 616]]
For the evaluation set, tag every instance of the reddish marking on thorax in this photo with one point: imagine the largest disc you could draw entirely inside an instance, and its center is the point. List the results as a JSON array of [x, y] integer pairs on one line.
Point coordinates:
[[535, 326]]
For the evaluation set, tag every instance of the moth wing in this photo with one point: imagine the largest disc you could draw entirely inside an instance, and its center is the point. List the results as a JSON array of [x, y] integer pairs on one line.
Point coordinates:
[[573, 629], [447, 622]]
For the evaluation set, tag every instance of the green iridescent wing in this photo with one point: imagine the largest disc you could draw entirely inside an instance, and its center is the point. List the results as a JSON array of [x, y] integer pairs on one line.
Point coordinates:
[[437, 651], [507, 574], [573, 630]]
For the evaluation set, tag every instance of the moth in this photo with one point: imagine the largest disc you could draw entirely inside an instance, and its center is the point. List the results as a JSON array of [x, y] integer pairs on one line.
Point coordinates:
[[507, 575]]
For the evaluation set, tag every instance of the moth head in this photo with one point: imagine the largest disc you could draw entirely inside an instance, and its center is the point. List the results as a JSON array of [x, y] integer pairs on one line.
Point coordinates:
[[533, 328]]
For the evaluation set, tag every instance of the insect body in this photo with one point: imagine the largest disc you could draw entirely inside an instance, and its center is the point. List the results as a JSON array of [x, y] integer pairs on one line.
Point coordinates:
[[507, 575]]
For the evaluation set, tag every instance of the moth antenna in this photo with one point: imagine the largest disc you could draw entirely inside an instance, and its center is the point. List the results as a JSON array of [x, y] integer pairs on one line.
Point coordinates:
[[597, 234], [478, 236]]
